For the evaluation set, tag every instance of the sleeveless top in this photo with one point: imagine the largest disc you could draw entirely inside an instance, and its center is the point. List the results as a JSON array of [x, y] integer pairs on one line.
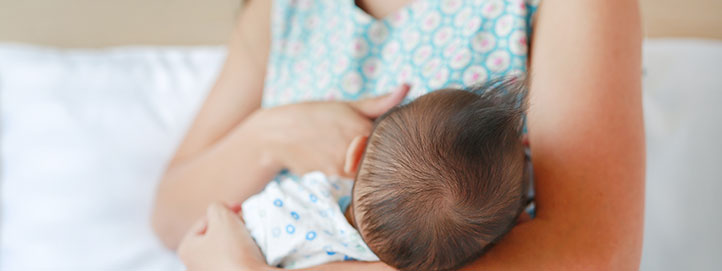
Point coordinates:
[[333, 50]]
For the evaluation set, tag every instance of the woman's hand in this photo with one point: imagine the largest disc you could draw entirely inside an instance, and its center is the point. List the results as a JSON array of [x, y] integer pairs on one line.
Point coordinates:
[[239, 163], [220, 241], [315, 135]]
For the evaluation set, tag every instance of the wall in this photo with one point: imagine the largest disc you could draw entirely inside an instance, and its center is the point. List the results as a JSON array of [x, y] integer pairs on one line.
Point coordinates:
[[95, 23], [682, 18]]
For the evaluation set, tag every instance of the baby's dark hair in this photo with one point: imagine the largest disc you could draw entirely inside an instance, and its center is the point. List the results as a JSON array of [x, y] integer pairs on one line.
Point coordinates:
[[442, 178]]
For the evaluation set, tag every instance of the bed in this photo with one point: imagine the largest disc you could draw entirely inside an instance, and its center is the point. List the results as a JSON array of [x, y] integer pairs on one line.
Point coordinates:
[[85, 135]]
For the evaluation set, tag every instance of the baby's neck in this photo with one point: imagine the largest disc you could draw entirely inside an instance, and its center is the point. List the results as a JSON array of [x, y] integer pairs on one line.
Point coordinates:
[[349, 217]]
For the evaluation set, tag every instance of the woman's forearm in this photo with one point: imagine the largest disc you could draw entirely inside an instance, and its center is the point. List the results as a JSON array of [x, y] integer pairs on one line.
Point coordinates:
[[231, 170], [219, 159]]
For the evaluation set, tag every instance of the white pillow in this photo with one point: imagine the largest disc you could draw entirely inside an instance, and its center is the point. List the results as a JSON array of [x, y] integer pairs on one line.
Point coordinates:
[[85, 135], [683, 119]]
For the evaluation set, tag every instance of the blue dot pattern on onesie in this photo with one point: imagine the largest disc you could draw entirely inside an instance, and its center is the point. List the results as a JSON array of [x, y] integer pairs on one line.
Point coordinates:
[[290, 229], [295, 215], [329, 251], [278, 203], [310, 235]]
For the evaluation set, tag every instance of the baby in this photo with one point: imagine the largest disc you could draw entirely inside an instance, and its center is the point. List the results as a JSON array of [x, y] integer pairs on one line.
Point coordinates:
[[439, 181]]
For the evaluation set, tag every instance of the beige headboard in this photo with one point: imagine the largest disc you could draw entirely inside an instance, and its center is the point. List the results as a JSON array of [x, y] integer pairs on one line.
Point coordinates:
[[95, 23], [682, 18]]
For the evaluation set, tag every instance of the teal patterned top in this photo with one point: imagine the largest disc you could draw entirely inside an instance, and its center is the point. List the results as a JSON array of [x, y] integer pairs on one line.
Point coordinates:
[[333, 50]]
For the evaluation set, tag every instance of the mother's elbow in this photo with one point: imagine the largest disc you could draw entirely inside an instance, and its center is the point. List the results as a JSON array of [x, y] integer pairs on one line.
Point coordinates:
[[602, 261], [621, 260], [163, 226], [620, 255]]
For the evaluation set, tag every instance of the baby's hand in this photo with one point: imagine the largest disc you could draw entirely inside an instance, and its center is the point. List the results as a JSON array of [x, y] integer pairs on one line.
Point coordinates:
[[220, 241]]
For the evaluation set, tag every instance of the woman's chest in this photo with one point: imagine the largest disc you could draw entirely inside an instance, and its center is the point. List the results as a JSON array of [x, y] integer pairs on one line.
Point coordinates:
[[333, 50]]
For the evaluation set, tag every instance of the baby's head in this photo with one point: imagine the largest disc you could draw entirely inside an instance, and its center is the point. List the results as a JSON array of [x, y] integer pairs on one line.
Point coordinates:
[[441, 178]]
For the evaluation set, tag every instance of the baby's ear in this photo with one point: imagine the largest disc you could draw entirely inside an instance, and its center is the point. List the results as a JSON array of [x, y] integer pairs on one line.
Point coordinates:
[[353, 155]]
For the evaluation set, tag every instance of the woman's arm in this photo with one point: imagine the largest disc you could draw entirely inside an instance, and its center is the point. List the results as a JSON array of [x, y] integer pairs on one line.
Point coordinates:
[[587, 140], [234, 148], [215, 154]]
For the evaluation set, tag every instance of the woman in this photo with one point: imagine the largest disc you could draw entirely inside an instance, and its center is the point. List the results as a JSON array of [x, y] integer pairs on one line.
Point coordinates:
[[585, 131]]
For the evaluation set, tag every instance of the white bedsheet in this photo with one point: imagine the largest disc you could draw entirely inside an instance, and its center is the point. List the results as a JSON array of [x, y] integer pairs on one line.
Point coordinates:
[[84, 135], [683, 118]]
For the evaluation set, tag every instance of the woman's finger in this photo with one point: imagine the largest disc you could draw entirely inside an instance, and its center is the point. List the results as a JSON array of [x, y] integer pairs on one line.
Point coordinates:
[[190, 248], [221, 217], [237, 209], [217, 215], [374, 107], [191, 239], [199, 228]]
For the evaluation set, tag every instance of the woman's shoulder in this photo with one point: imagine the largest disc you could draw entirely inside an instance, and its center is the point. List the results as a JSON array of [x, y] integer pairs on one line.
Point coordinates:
[[254, 28]]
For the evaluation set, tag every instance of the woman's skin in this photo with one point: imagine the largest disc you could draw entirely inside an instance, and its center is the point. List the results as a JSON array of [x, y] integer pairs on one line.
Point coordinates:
[[234, 148], [585, 131], [586, 134]]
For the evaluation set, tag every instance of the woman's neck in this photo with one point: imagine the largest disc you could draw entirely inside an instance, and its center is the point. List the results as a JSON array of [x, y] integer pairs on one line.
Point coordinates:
[[381, 8]]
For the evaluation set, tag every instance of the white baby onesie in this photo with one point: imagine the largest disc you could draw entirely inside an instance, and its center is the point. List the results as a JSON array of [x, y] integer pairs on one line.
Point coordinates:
[[299, 222]]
